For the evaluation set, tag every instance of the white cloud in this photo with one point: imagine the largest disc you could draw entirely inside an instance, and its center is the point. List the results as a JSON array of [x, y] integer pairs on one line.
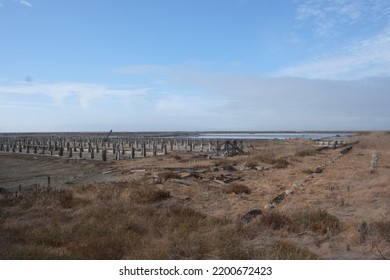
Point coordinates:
[[25, 3], [330, 16], [84, 93], [359, 59], [201, 100]]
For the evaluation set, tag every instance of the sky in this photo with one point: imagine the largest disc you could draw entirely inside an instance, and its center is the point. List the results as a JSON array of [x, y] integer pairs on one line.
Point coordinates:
[[194, 65]]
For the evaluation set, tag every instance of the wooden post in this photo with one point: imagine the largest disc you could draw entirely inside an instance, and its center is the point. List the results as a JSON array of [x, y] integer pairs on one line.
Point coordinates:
[[143, 150], [154, 150], [104, 154], [48, 182], [70, 153], [61, 152], [132, 155], [227, 148], [92, 153], [170, 145], [165, 149], [118, 153], [81, 152]]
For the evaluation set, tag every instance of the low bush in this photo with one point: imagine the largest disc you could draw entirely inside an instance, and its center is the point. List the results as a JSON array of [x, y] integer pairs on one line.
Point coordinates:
[[284, 250], [148, 194], [237, 188], [383, 229], [318, 221], [276, 220]]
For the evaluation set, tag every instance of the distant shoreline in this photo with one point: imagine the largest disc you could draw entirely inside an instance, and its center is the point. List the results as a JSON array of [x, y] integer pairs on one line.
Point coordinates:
[[194, 134]]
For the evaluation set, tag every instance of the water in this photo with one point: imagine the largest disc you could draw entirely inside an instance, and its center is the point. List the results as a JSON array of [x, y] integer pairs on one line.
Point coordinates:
[[271, 135]]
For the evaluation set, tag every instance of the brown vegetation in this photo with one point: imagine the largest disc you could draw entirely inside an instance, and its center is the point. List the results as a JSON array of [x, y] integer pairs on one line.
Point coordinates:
[[236, 188], [184, 206]]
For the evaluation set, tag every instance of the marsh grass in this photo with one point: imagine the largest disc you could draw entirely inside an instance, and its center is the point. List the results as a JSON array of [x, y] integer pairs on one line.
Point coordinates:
[[132, 221], [113, 221], [318, 221], [284, 250], [383, 229], [168, 175], [276, 221], [278, 158], [149, 194], [236, 188]]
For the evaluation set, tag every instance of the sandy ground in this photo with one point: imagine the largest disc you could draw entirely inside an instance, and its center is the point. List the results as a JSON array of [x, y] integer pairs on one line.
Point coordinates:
[[345, 187]]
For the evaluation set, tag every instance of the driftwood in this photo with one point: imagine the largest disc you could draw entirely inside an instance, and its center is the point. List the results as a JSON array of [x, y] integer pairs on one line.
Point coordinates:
[[251, 215], [346, 150]]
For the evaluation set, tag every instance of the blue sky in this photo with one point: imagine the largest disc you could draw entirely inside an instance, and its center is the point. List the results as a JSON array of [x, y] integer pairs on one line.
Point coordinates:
[[149, 65]]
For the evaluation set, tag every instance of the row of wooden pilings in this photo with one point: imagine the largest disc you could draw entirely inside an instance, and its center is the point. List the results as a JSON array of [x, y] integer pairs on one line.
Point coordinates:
[[117, 148]]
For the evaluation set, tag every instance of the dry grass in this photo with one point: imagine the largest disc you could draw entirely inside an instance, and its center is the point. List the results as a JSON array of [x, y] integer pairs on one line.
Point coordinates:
[[168, 175], [276, 221], [236, 188], [148, 194], [318, 221], [284, 250], [113, 221], [123, 221], [276, 157], [383, 229]]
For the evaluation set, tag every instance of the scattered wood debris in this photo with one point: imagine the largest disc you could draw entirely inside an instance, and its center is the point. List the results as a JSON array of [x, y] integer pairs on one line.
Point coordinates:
[[251, 215]]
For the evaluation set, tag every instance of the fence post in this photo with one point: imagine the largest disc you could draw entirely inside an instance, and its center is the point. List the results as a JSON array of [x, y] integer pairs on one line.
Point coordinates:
[[132, 153], [165, 149], [118, 153], [154, 149], [61, 152], [104, 154], [143, 150]]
